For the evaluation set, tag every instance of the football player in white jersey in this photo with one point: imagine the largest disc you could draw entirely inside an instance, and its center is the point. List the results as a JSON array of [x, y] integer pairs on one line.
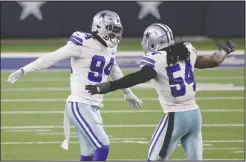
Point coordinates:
[[170, 68], [92, 61]]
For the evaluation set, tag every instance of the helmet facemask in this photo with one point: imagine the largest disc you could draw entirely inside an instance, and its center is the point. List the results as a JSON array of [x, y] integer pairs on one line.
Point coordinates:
[[113, 34]]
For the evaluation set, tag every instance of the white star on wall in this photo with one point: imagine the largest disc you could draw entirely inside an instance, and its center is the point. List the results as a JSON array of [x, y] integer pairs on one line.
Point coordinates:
[[149, 8], [31, 8]]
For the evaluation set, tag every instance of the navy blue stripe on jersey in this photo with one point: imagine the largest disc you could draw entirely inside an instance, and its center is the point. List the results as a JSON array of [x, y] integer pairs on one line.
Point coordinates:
[[149, 60], [76, 40], [168, 41], [143, 63]]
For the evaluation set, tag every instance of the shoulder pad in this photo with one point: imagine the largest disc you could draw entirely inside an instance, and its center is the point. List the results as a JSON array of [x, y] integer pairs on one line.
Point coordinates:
[[154, 53], [148, 60], [190, 47], [79, 37]]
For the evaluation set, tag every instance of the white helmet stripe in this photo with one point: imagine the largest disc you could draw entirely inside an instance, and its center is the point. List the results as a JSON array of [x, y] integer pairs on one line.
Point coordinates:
[[168, 30], [165, 30]]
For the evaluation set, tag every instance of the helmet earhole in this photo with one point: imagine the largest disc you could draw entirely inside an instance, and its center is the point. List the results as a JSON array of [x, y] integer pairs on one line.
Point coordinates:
[[152, 45]]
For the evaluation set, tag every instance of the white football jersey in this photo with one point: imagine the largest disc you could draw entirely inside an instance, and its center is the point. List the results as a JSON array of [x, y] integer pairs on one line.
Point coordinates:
[[175, 84], [91, 63], [92, 68]]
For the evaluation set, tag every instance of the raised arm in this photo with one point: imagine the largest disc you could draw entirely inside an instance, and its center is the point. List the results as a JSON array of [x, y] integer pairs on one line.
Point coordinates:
[[116, 74], [68, 51], [214, 60]]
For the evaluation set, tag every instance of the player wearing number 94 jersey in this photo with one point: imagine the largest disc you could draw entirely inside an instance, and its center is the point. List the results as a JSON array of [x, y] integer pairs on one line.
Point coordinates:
[[92, 61], [170, 67]]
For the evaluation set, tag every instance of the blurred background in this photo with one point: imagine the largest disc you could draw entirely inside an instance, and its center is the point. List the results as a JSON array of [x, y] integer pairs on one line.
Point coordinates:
[[32, 109], [60, 19], [200, 20]]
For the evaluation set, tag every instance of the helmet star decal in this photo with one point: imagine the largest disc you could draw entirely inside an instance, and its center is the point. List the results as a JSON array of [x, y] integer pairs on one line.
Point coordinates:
[[102, 14], [147, 34]]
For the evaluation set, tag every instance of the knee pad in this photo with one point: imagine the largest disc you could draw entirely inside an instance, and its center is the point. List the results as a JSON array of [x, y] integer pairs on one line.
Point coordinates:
[[101, 154]]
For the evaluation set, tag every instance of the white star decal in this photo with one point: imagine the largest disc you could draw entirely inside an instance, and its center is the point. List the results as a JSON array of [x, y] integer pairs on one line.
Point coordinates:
[[149, 8], [31, 8]]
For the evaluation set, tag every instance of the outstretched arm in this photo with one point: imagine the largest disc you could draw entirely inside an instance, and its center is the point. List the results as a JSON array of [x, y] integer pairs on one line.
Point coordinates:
[[204, 61], [145, 74], [51, 58], [129, 96], [46, 60], [116, 74]]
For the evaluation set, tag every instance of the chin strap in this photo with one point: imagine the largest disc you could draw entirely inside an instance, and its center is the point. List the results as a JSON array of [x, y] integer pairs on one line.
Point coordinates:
[[97, 37]]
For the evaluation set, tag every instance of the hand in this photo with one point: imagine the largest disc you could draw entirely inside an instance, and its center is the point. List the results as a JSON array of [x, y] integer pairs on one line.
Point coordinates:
[[228, 47], [12, 78], [101, 88], [133, 100]]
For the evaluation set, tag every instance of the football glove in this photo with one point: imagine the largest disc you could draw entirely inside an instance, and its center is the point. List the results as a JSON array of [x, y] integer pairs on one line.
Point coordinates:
[[101, 88], [12, 78], [132, 100], [228, 47]]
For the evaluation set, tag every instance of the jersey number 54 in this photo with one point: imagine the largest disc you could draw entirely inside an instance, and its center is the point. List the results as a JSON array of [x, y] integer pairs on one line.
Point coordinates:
[[188, 78]]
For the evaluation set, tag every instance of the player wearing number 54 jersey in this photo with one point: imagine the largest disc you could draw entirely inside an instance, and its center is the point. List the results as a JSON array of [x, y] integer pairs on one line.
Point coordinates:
[[170, 68], [92, 61]]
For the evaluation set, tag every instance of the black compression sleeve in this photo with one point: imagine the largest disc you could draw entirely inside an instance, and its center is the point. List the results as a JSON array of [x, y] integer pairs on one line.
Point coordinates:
[[145, 74]]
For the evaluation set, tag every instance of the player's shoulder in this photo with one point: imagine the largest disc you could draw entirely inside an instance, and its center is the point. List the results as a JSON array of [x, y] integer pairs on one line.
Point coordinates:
[[190, 47], [152, 55], [79, 37], [149, 59]]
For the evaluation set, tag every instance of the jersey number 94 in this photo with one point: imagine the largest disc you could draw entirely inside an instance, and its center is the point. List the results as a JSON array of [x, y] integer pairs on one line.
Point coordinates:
[[97, 68]]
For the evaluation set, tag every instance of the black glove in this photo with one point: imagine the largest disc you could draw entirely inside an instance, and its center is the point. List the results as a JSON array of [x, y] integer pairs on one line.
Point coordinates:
[[228, 47], [101, 88]]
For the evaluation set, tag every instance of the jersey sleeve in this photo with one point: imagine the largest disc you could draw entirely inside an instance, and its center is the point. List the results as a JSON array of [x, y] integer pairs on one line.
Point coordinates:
[[76, 38], [193, 52], [149, 59], [190, 48], [51, 58]]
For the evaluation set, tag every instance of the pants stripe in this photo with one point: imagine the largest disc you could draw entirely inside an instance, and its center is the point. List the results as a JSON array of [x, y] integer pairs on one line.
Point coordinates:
[[85, 126], [157, 129], [168, 136], [157, 135]]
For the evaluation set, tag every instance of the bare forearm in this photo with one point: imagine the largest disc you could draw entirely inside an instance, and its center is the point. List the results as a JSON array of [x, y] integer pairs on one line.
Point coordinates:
[[204, 61], [218, 57]]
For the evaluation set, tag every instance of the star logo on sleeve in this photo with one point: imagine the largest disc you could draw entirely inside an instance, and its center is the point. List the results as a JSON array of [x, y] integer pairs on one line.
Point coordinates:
[[149, 8], [31, 8]]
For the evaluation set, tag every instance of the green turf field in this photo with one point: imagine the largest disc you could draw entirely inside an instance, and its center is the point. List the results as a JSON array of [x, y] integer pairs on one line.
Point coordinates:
[[126, 44], [38, 100]]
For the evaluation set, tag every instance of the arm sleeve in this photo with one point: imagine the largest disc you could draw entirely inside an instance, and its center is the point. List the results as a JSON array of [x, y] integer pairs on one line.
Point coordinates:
[[115, 74], [145, 74], [68, 51]]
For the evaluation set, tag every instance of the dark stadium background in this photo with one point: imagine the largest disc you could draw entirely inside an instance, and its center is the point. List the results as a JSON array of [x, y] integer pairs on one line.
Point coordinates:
[[60, 19]]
